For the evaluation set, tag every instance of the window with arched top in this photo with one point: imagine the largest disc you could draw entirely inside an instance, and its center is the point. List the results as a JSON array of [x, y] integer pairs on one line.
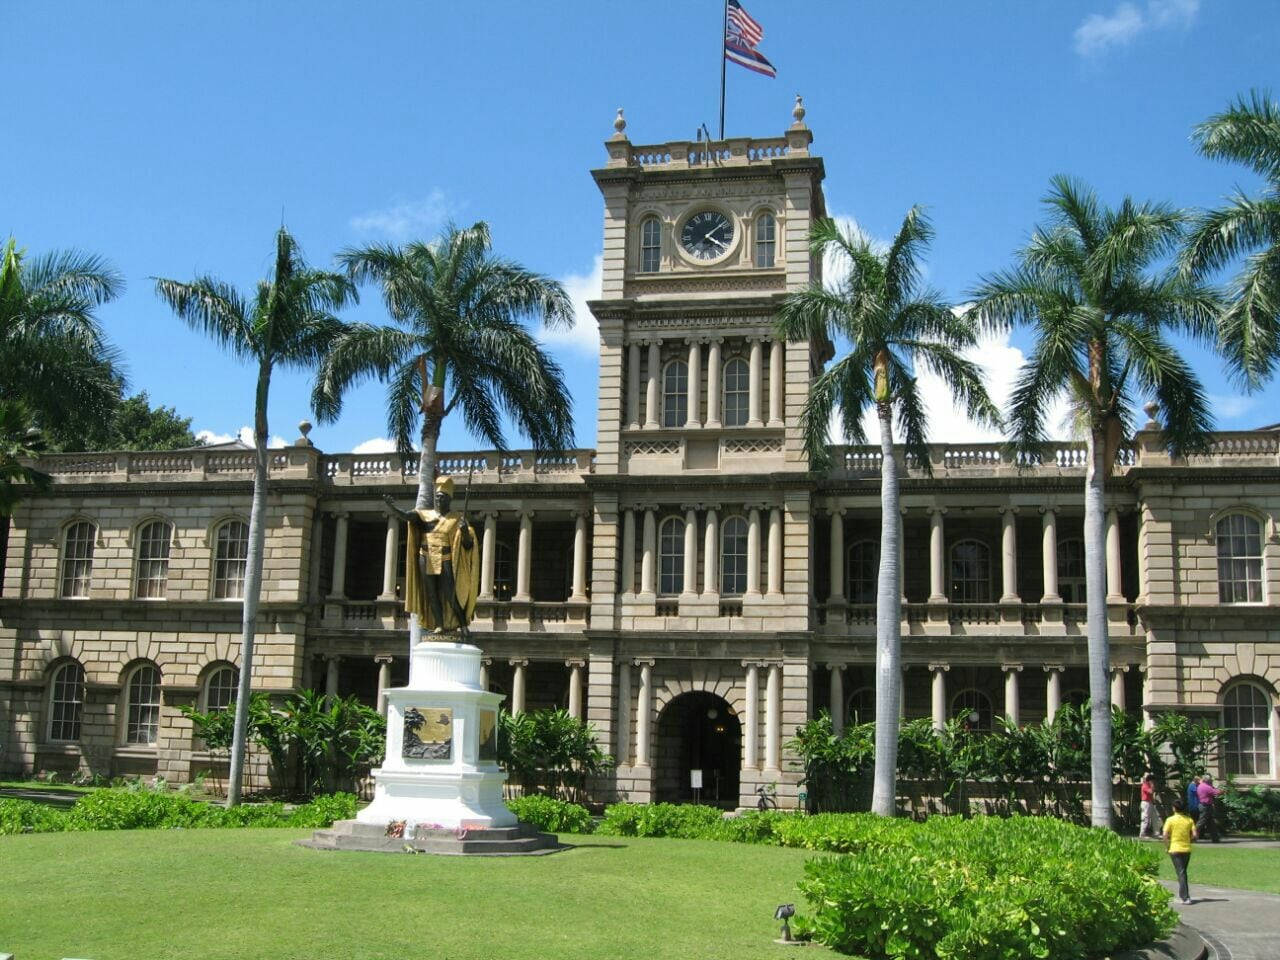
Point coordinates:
[[220, 688], [675, 394], [504, 571], [77, 558], [1246, 724], [860, 706], [970, 572], [737, 392], [1239, 540], [671, 556], [650, 245], [733, 556], [862, 571], [142, 705], [153, 560], [66, 702], [1071, 578], [766, 239], [230, 557], [972, 707]]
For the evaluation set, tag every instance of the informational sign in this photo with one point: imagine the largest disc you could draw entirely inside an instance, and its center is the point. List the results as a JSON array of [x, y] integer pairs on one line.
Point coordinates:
[[695, 779]]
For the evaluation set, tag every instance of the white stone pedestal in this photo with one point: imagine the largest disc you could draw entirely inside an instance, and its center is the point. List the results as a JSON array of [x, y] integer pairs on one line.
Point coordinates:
[[433, 775]]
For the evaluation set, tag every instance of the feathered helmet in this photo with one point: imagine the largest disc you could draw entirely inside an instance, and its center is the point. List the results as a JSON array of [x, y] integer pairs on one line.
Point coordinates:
[[445, 485]]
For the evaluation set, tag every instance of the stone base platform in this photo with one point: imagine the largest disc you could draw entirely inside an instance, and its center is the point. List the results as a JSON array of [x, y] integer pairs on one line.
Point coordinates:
[[520, 840]]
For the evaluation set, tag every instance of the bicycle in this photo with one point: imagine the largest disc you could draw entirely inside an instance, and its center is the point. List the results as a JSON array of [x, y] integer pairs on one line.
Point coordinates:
[[768, 796]]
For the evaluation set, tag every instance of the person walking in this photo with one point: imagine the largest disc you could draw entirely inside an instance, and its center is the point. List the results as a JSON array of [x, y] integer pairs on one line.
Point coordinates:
[[1193, 796], [1150, 814], [1179, 833], [1207, 822]]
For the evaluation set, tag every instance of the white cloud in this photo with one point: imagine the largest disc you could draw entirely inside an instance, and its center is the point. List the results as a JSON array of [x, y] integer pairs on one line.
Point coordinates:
[[244, 435], [835, 265], [407, 219], [375, 445], [1229, 406], [1099, 33], [584, 336]]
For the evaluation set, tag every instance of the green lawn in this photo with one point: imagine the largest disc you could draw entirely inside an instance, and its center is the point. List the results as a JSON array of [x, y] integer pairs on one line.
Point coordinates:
[[1243, 869], [42, 786], [244, 894]]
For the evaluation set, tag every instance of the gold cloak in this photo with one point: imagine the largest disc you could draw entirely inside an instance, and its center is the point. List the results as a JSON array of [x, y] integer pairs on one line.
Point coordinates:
[[466, 569]]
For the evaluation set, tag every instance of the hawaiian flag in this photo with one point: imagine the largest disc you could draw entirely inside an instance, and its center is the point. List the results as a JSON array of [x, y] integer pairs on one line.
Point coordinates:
[[741, 34]]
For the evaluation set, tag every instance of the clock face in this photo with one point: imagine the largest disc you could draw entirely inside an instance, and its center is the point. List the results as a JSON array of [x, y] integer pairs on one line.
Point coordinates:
[[707, 235]]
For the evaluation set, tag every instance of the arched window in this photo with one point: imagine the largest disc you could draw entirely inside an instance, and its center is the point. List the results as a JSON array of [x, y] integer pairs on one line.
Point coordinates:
[[970, 572], [861, 706], [66, 702], [671, 556], [972, 707], [231, 554], [766, 230], [1246, 721], [142, 705], [1071, 570], [220, 688], [153, 559], [737, 390], [77, 559], [675, 394], [862, 571], [504, 571], [733, 556], [650, 245], [1239, 538]]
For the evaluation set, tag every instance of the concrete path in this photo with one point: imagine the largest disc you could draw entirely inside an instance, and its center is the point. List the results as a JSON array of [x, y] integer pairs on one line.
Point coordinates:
[[1237, 924]]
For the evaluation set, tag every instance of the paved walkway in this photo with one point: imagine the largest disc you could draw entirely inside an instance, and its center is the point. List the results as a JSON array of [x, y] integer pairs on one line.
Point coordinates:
[[1237, 924]]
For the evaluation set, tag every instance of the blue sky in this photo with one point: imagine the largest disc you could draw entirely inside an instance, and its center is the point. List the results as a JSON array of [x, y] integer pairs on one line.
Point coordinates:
[[173, 138]]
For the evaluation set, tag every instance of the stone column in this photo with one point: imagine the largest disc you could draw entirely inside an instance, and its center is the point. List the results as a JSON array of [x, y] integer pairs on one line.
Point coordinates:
[[937, 556], [579, 557], [317, 535], [633, 384], [837, 697], [1009, 554], [690, 586], [575, 687], [711, 554], [628, 551], [484, 673], [775, 551], [524, 558], [714, 371], [939, 695], [1049, 549], [390, 556], [384, 682], [835, 589], [775, 383], [751, 735], [622, 738], [517, 686], [332, 663], [651, 387], [773, 717], [1114, 592], [338, 587], [1148, 720], [488, 555], [1117, 686], [643, 710], [753, 553], [695, 384], [648, 560], [753, 390], [1011, 671], [1052, 691]]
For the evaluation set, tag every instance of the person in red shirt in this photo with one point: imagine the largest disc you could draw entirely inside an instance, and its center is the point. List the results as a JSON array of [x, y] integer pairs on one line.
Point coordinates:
[[1208, 795], [1150, 815]]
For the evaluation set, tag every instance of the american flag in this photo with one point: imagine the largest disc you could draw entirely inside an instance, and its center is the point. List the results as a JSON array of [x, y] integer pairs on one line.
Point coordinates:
[[741, 34], [741, 23]]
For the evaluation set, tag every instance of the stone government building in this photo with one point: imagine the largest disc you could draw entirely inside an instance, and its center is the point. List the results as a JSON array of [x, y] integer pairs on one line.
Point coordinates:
[[689, 587]]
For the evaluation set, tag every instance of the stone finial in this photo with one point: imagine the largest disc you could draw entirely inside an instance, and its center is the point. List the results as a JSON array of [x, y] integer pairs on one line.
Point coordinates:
[[798, 111], [620, 125], [1151, 408], [304, 428]]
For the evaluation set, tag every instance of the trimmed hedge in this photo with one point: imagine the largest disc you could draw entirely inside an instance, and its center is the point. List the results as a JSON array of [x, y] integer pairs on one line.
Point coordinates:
[[157, 810], [552, 815]]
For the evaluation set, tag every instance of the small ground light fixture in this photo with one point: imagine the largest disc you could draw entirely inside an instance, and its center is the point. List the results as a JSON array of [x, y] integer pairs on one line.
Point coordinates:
[[784, 913]]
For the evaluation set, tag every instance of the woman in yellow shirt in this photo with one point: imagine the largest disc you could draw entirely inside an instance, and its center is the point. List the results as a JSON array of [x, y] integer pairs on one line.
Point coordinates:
[[1179, 834]]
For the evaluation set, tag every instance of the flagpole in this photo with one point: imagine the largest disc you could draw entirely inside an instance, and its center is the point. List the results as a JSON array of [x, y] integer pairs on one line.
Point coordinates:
[[724, 32]]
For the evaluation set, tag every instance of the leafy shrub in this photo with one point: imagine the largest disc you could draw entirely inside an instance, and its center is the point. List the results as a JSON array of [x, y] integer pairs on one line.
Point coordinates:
[[1256, 808], [552, 815], [23, 816], [550, 751], [324, 810], [686, 821]]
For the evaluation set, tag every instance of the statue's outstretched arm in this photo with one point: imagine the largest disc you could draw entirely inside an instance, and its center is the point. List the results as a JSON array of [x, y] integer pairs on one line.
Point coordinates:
[[404, 515]]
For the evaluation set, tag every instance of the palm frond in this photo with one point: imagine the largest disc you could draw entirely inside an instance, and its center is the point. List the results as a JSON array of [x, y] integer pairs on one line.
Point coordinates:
[[214, 308], [1249, 328], [1246, 132], [902, 263], [1219, 236]]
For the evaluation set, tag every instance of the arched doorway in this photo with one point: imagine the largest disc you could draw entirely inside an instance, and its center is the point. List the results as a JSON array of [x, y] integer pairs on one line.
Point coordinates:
[[698, 731]]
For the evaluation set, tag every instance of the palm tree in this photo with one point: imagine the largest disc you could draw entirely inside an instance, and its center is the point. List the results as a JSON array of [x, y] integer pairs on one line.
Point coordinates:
[[53, 355], [459, 343], [1247, 132], [1099, 311], [289, 322], [896, 326], [19, 441]]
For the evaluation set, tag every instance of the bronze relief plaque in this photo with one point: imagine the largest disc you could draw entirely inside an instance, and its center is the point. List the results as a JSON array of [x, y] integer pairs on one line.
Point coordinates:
[[428, 733]]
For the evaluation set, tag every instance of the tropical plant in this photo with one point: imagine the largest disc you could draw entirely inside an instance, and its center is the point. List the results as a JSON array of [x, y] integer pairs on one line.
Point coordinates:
[[550, 750], [19, 441], [1247, 132], [459, 343], [288, 322], [896, 327], [1089, 288]]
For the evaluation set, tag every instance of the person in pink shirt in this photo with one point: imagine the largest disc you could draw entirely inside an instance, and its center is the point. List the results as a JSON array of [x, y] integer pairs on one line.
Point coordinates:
[[1149, 826], [1208, 796]]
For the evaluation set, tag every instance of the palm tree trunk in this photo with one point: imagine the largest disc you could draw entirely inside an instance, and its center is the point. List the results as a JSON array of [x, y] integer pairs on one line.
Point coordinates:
[[252, 583], [888, 628], [1095, 572]]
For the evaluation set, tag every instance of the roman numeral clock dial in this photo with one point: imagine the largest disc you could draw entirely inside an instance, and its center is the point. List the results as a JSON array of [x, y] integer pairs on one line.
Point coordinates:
[[707, 235]]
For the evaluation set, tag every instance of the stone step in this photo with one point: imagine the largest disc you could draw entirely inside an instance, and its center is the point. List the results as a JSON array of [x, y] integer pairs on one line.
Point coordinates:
[[520, 840]]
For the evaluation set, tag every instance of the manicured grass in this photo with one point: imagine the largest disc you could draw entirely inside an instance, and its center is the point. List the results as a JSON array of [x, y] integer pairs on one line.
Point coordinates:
[[1242, 869], [247, 894], [45, 787]]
